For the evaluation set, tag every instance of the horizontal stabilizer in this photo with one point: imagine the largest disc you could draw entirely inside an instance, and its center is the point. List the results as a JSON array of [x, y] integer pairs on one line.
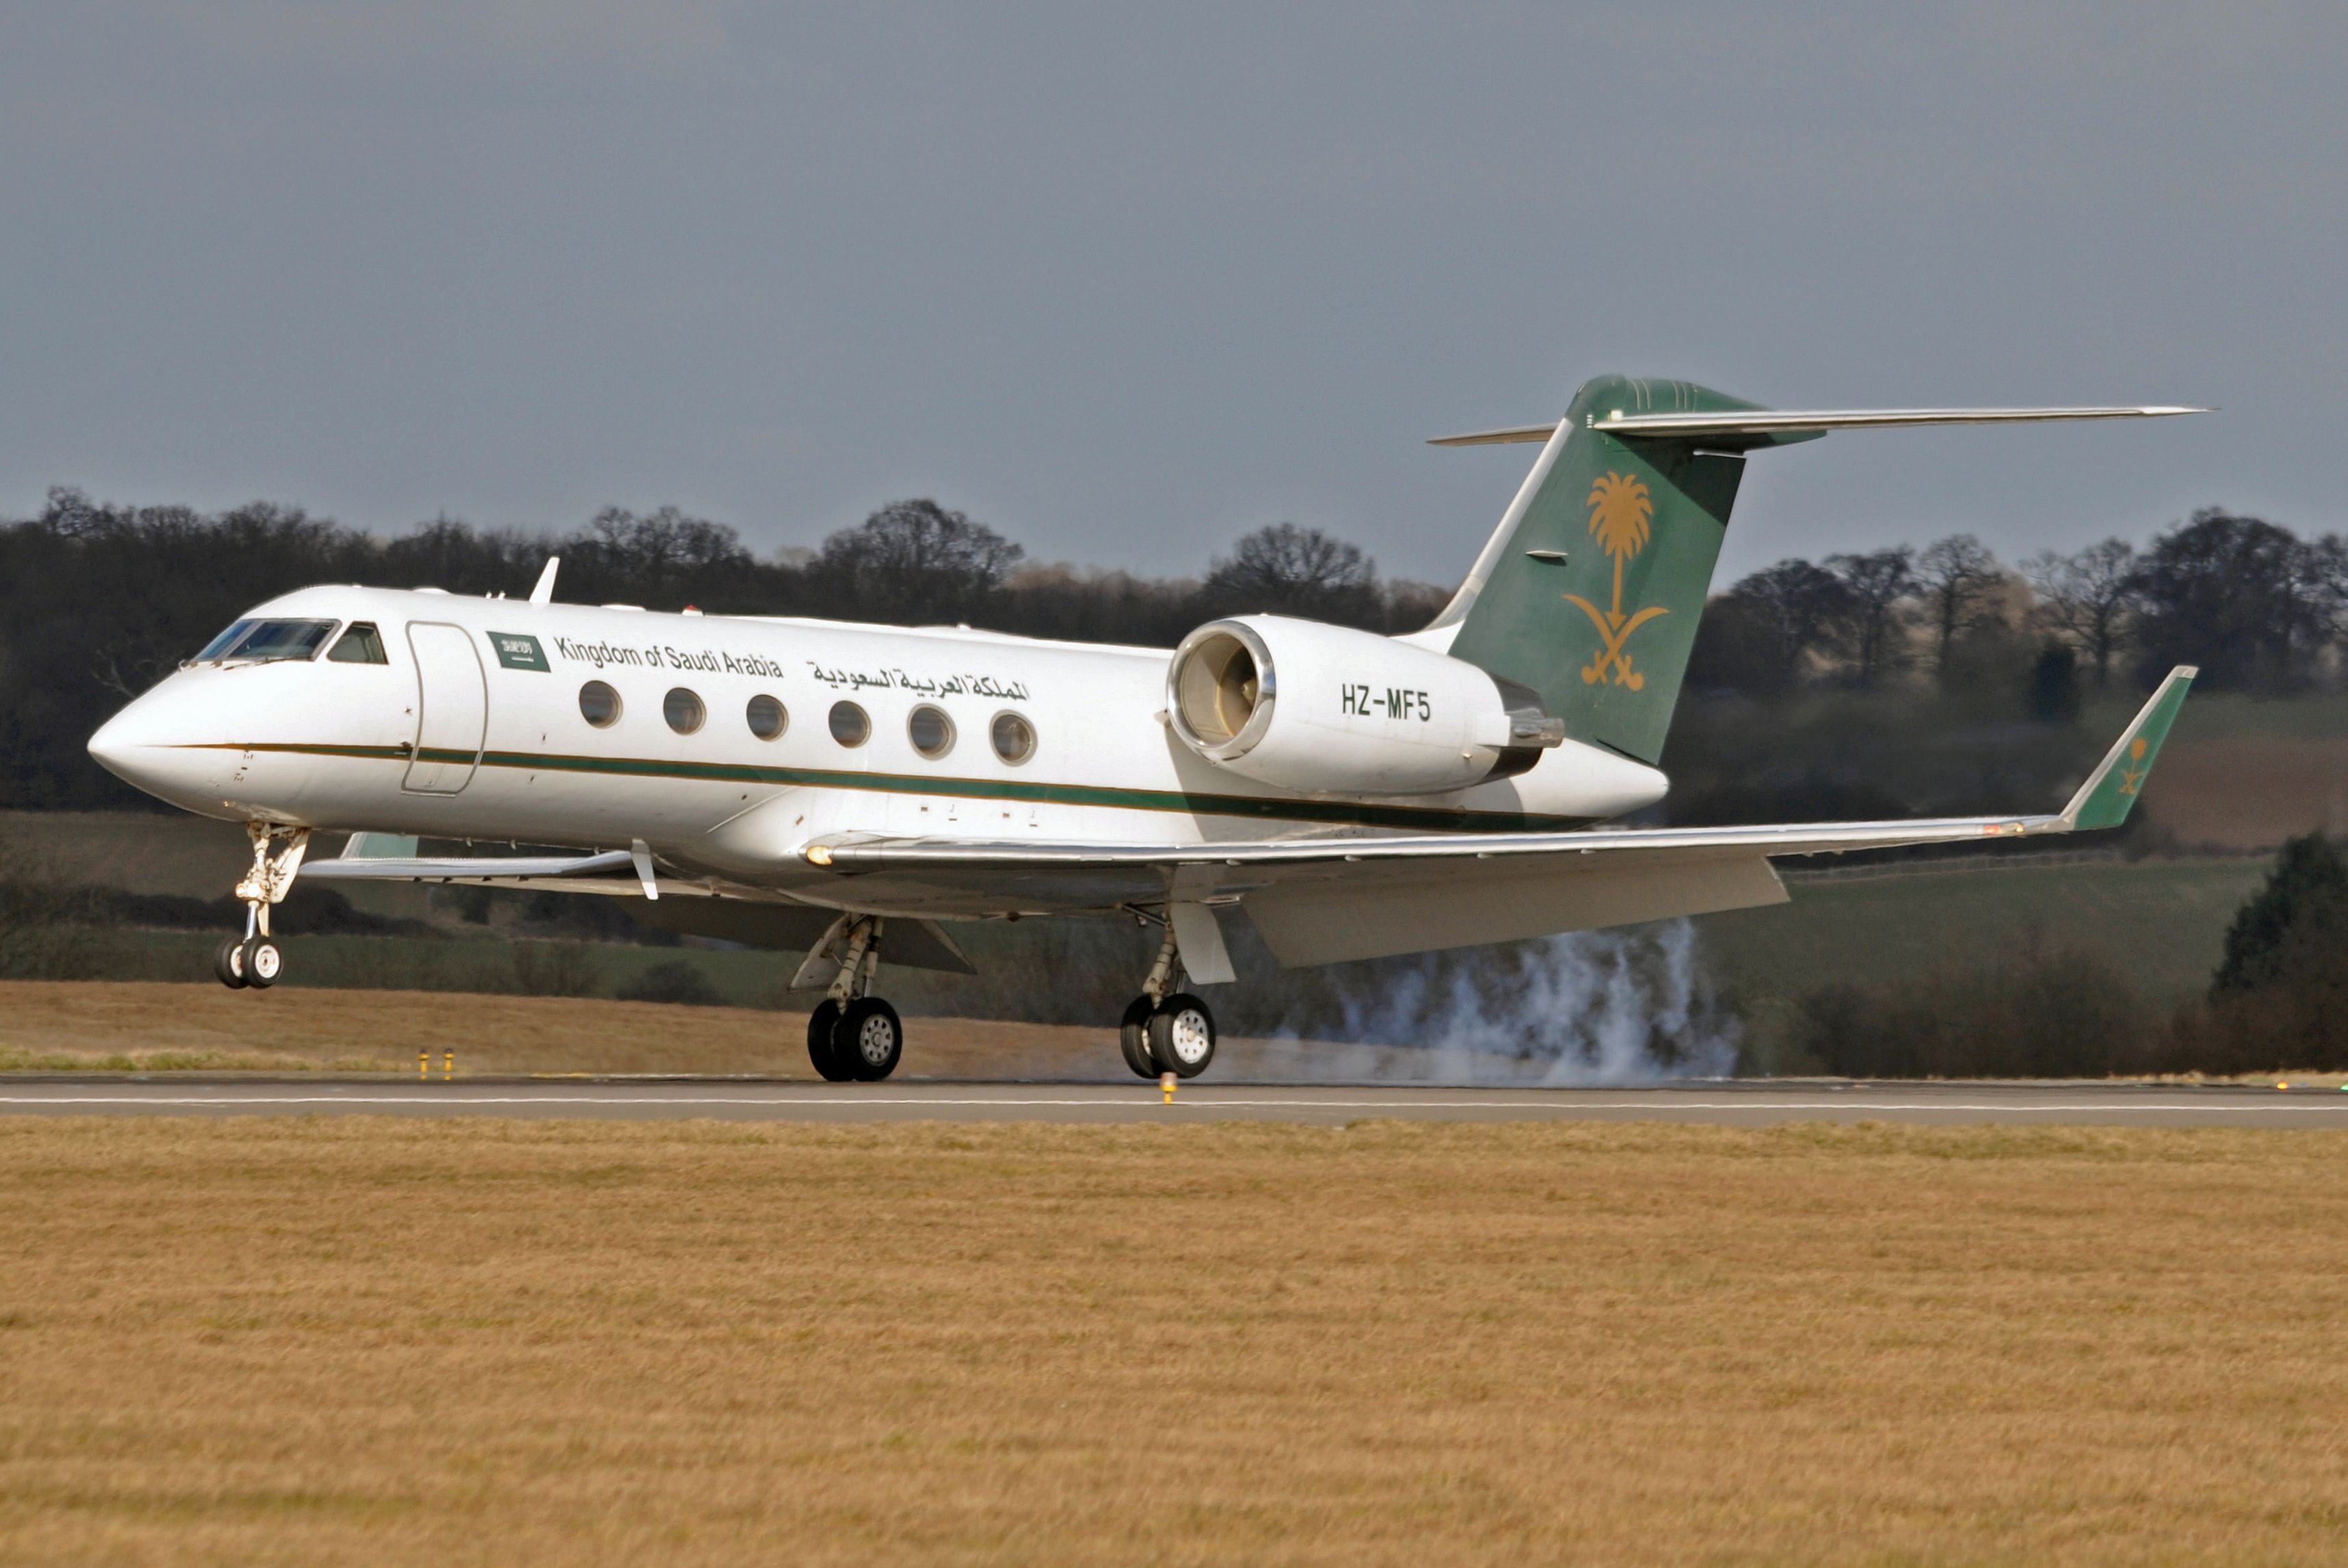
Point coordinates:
[[1802, 421]]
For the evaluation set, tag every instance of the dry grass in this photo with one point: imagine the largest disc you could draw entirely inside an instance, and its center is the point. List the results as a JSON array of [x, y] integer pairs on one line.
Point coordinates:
[[61, 1024], [65, 1025], [393, 1341]]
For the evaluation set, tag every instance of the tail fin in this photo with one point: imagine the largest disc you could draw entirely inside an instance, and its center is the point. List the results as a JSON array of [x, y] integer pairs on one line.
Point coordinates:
[[1590, 590]]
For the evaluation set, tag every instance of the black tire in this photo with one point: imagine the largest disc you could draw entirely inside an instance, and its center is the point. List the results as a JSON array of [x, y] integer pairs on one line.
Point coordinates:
[[1181, 1036], [228, 962], [869, 1039], [821, 1024], [1133, 1037], [264, 963]]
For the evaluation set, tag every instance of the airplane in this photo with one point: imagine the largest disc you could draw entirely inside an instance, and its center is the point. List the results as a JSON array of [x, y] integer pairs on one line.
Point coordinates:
[[822, 786]]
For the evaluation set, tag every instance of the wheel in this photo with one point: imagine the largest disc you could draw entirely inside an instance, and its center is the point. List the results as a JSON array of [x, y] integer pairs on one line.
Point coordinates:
[[821, 1025], [1181, 1036], [264, 962], [228, 962], [1133, 1037], [869, 1038]]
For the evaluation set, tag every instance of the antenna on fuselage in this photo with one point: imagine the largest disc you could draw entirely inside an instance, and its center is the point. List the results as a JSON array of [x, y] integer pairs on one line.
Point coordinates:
[[544, 593]]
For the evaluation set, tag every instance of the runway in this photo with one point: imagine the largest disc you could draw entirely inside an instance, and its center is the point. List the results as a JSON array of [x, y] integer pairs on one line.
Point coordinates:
[[1741, 1103]]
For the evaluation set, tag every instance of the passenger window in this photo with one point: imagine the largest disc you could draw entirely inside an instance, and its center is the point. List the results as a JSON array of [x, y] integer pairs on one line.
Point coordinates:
[[932, 731], [361, 644], [683, 710], [1013, 738], [850, 725], [769, 719], [599, 704]]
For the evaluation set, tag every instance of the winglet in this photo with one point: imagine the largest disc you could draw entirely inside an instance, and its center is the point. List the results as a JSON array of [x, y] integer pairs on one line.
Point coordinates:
[[544, 593], [2102, 802]]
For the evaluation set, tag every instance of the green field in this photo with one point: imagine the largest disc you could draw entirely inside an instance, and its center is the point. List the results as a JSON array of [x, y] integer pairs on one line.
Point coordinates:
[[2161, 922]]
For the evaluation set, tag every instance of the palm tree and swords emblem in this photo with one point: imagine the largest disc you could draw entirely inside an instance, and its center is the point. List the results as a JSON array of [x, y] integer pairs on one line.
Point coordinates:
[[1621, 516]]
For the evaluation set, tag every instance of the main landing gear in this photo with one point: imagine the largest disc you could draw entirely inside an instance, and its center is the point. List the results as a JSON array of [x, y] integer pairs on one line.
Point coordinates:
[[255, 959], [854, 1036], [1164, 1030]]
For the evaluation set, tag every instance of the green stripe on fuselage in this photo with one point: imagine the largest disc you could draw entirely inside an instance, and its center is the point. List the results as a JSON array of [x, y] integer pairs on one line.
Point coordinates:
[[1422, 818]]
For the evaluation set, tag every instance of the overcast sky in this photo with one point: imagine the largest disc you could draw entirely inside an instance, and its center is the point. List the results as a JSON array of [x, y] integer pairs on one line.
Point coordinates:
[[1126, 285]]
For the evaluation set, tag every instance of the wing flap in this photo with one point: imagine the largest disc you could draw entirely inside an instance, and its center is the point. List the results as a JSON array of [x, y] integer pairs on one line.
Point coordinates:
[[466, 868]]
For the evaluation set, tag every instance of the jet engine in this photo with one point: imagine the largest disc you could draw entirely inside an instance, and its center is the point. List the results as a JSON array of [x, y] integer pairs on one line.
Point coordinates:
[[1310, 706]]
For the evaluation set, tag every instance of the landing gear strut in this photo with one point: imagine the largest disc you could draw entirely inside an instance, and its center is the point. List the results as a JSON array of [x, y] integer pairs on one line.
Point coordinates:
[[1164, 1030], [852, 1035], [255, 959]]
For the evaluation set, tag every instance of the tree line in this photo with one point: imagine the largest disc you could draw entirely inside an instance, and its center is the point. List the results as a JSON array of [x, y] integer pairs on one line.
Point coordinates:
[[2255, 605]]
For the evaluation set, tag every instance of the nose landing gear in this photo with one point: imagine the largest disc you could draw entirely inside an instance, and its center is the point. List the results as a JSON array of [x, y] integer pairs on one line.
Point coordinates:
[[854, 1036], [1164, 1030], [255, 959]]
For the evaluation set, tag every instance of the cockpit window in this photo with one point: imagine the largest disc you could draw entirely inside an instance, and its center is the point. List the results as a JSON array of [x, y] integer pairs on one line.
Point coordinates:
[[255, 642], [361, 644], [225, 641]]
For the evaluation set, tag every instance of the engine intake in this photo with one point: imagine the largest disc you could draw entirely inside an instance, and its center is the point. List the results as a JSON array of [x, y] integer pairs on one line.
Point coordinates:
[[1221, 690], [1325, 709]]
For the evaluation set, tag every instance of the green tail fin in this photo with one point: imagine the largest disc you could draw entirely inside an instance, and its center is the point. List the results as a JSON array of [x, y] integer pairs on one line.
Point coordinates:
[[2111, 790], [1590, 591]]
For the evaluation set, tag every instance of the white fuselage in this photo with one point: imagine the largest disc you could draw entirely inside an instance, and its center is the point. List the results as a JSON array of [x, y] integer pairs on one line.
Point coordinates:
[[459, 736]]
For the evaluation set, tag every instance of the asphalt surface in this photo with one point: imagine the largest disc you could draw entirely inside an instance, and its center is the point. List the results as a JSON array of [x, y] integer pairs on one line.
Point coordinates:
[[1740, 1104]]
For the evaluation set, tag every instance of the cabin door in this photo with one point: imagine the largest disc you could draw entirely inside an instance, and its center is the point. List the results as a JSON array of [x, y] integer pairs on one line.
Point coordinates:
[[452, 708]]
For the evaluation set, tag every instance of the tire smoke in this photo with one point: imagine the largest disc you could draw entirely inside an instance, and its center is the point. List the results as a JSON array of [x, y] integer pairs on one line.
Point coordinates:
[[1592, 1007]]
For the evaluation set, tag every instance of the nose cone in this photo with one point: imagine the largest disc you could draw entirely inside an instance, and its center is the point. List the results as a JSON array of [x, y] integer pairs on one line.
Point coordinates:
[[119, 742], [142, 747]]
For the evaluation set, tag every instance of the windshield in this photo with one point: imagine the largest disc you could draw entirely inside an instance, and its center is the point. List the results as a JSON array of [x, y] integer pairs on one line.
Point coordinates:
[[226, 640], [256, 641]]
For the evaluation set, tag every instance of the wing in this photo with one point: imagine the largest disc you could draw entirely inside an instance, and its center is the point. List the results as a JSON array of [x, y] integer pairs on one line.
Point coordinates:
[[1317, 901]]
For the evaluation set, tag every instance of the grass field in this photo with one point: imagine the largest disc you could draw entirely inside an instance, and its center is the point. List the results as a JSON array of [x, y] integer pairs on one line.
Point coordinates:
[[69, 1025], [72, 1026], [2162, 922], [389, 1342]]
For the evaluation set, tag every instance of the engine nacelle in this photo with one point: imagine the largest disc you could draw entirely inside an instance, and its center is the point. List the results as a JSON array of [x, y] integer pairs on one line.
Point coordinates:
[[1310, 706]]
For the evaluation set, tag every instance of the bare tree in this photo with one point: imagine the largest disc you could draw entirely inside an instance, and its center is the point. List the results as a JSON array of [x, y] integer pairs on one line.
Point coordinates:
[[2088, 597], [1290, 569], [1955, 577], [1797, 607], [915, 560], [1876, 583]]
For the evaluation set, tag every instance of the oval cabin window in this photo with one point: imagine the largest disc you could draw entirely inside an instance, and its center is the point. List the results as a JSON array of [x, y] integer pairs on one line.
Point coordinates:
[[931, 732], [769, 718], [850, 726], [1013, 738], [683, 710], [599, 704]]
